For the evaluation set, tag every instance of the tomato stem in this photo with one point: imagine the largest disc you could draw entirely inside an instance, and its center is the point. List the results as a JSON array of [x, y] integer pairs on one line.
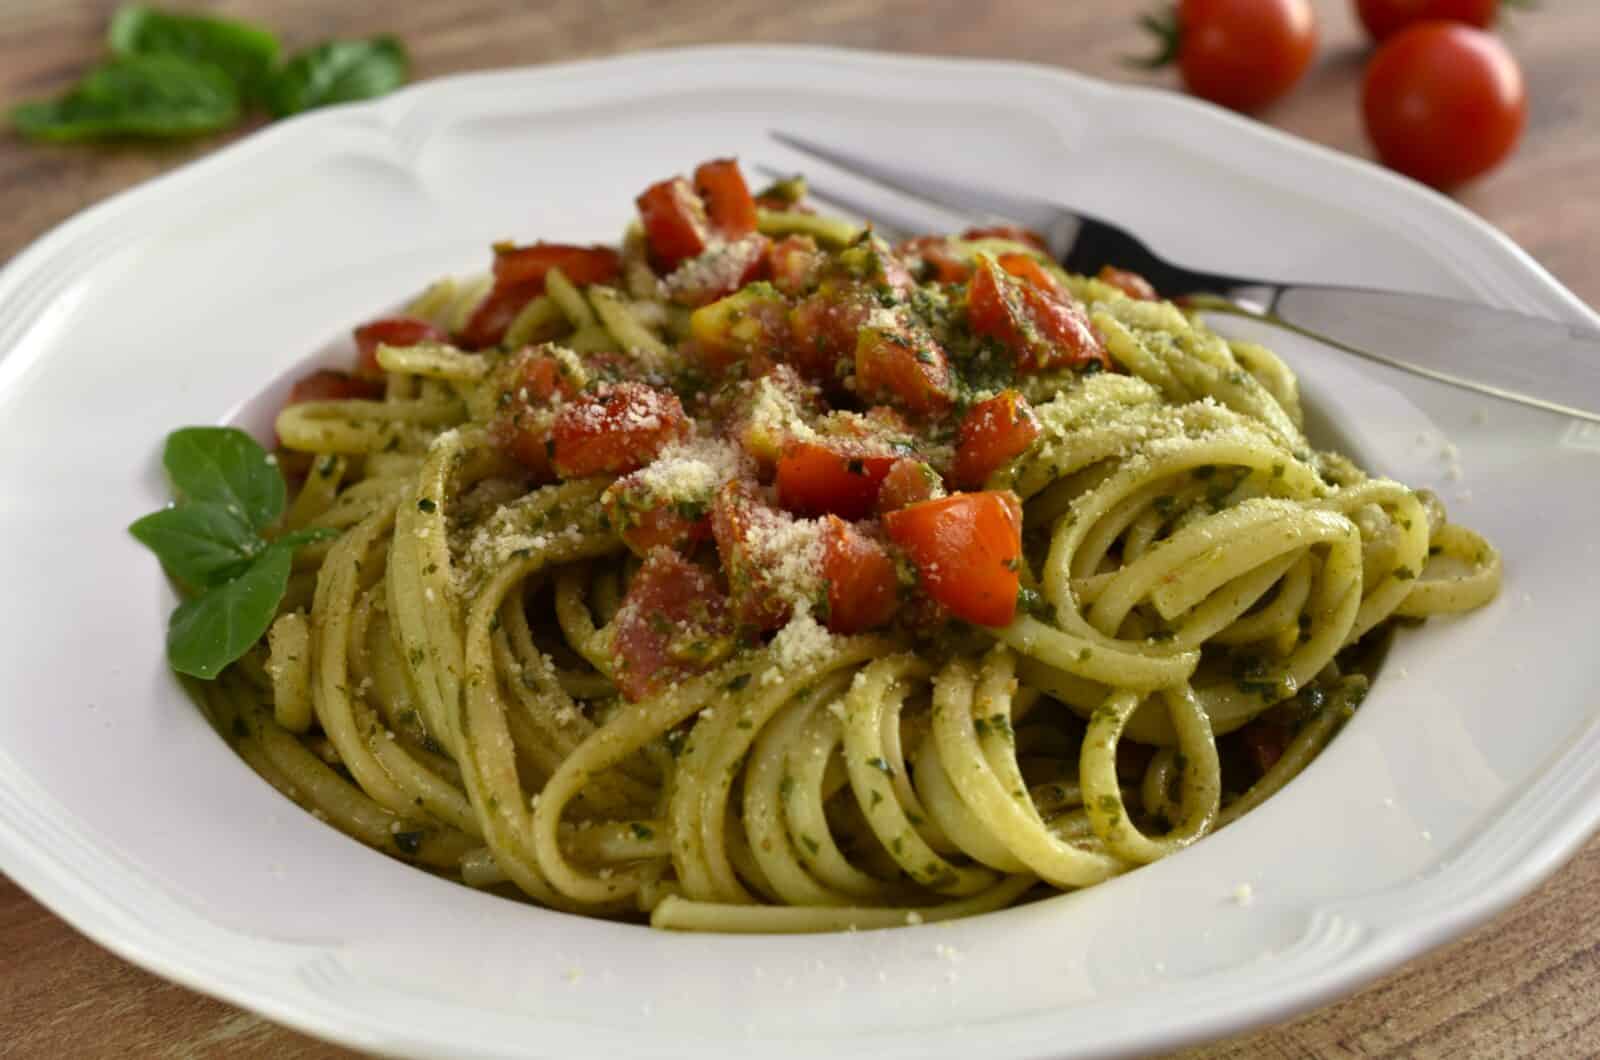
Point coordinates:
[[1165, 26]]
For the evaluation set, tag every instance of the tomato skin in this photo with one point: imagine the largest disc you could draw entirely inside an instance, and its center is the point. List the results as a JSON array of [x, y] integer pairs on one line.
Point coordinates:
[[519, 278], [617, 428], [675, 222], [1265, 741], [824, 331], [863, 588], [905, 366], [390, 331], [328, 384], [993, 433], [1443, 102], [673, 623], [939, 258], [1039, 323], [1129, 283], [1385, 18], [1244, 54], [728, 204], [908, 482], [842, 479], [967, 547]]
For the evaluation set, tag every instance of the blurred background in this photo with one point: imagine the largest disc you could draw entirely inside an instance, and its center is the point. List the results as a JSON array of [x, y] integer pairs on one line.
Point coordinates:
[[1522, 986]]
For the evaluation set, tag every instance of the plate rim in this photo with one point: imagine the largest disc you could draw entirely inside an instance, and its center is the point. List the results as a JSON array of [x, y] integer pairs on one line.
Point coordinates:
[[48, 877]]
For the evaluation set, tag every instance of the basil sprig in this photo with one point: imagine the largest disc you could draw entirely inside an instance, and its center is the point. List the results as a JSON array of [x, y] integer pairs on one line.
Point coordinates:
[[339, 71], [211, 541], [245, 53], [178, 74]]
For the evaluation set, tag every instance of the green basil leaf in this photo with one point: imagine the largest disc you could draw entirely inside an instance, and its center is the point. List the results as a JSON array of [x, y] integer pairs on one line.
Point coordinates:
[[338, 71], [224, 465], [143, 96], [202, 544], [209, 631], [244, 52]]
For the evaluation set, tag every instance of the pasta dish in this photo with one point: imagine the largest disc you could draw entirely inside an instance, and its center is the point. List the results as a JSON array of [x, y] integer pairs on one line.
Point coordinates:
[[758, 575]]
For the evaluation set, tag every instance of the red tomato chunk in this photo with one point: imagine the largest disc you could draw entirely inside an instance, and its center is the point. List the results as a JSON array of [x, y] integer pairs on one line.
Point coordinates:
[[909, 482], [968, 550], [841, 478], [1041, 325], [331, 385], [391, 331], [618, 428], [673, 623], [1129, 283], [863, 588], [994, 433]]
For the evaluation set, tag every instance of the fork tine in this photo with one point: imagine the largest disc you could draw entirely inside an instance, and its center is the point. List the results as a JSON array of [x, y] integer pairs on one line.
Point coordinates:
[[895, 229], [977, 204]]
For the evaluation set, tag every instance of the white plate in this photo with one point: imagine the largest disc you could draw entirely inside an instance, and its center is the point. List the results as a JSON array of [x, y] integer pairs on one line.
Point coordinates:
[[1469, 774]]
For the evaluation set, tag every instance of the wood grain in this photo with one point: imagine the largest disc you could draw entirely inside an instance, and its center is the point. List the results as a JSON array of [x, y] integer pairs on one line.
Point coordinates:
[[1522, 986]]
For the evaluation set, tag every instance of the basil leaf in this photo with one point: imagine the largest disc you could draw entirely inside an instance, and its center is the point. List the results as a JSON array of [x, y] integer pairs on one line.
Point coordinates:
[[224, 465], [202, 544], [209, 631], [145, 95], [244, 52], [338, 71]]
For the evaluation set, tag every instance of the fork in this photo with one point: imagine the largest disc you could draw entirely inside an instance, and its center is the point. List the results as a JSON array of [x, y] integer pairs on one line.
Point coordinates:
[[1530, 360]]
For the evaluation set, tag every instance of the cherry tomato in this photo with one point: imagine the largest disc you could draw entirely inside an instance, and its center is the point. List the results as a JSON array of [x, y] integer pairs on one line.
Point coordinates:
[[1129, 283], [616, 429], [993, 433], [740, 519], [673, 622], [1242, 54], [840, 477], [391, 331], [967, 548], [331, 385], [1385, 18], [648, 518], [1443, 102], [908, 482], [1020, 305], [905, 365], [721, 187], [862, 584]]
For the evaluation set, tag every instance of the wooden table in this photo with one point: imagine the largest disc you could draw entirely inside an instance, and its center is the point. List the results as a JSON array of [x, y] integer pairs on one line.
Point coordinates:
[[1521, 986]]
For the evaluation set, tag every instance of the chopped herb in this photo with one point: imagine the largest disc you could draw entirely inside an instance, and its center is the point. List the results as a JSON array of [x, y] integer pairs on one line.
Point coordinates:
[[426, 505], [408, 842]]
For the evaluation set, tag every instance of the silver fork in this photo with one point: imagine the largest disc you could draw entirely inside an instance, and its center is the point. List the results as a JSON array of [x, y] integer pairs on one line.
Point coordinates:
[[1529, 360]]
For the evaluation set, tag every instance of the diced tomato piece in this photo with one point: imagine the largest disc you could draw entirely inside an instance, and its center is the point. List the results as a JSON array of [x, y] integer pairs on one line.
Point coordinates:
[[727, 198], [1041, 326], [940, 257], [617, 428], [904, 365], [908, 482], [1265, 740], [837, 477], [675, 223], [968, 549], [994, 432], [519, 278], [673, 623], [1130, 283], [329, 384], [1015, 233], [823, 329], [793, 262], [647, 518], [390, 331], [750, 325], [1027, 268], [720, 270], [740, 519], [514, 266], [863, 588]]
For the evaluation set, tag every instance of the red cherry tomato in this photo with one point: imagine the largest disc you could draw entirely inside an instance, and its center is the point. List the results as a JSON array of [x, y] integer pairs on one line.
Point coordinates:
[[967, 549], [1243, 54], [1443, 102], [861, 580], [614, 430], [1385, 18], [673, 623]]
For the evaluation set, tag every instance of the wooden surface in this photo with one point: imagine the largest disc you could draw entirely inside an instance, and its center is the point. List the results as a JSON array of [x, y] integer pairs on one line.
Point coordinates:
[[1522, 986]]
